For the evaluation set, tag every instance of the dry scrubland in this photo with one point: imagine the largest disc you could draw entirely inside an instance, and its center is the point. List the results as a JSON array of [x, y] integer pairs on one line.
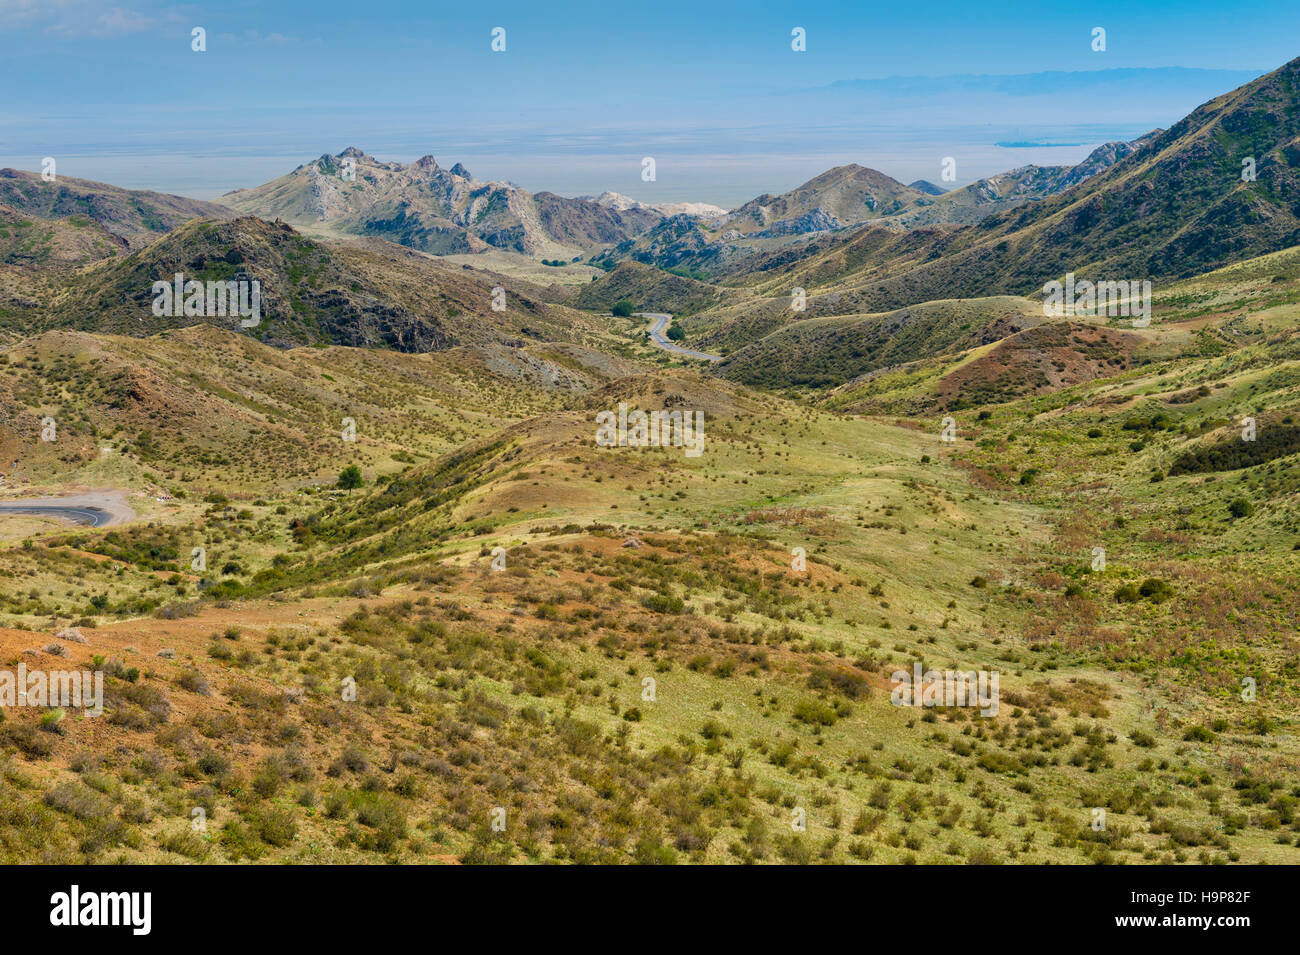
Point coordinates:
[[649, 677], [523, 689]]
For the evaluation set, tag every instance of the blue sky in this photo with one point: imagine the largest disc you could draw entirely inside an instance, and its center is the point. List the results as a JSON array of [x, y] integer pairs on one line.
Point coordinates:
[[712, 90]]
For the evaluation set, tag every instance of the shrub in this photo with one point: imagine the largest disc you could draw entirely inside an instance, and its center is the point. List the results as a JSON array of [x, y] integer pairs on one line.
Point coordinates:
[[240, 842], [1155, 589], [28, 741], [77, 800], [276, 827], [194, 682], [1127, 594], [185, 843], [659, 603], [852, 684], [815, 713]]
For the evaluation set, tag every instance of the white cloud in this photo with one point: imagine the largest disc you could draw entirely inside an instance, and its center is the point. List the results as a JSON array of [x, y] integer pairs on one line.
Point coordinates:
[[88, 17], [118, 20]]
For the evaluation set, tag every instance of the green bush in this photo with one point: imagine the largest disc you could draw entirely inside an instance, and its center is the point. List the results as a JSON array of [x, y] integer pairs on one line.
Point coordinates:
[[276, 827], [1240, 507]]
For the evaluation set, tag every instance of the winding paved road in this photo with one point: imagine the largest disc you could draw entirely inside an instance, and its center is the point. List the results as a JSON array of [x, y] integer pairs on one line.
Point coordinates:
[[661, 320], [77, 515], [98, 508]]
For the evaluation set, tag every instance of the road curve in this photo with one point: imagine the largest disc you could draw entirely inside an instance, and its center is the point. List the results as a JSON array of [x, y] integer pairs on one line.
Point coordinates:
[[661, 320], [93, 516], [96, 508]]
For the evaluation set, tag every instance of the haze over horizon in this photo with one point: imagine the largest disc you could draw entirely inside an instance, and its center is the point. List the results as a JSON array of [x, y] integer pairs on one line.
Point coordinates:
[[723, 123]]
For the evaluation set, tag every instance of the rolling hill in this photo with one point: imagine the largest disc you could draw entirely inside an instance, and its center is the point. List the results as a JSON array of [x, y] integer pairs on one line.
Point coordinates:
[[822, 352], [134, 217], [647, 288], [368, 294]]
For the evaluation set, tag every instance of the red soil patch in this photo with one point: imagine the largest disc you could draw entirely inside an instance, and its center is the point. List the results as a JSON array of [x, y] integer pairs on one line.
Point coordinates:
[[1040, 360]]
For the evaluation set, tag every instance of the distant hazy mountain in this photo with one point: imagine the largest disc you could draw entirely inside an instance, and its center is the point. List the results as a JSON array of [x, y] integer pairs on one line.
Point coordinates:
[[436, 210], [982, 198], [1177, 207], [134, 216], [924, 185], [616, 200], [842, 196]]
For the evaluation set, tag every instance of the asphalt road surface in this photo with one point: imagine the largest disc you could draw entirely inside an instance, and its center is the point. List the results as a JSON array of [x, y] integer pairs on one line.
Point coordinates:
[[661, 320], [93, 516]]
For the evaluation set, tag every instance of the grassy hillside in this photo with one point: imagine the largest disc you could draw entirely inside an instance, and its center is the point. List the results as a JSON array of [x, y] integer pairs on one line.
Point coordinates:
[[648, 289], [32, 243], [821, 352], [314, 292], [768, 733], [1176, 208], [208, 411]]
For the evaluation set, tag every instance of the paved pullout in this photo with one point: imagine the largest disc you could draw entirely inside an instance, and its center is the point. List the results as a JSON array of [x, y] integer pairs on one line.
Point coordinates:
[[661, 320], [96, 508]]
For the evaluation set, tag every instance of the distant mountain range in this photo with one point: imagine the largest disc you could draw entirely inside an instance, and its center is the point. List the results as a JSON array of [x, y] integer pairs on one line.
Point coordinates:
[[982, 198], [447, 211], [1180, 203], [619, 201], [1170, 204], [436, 210], [844, 198]]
